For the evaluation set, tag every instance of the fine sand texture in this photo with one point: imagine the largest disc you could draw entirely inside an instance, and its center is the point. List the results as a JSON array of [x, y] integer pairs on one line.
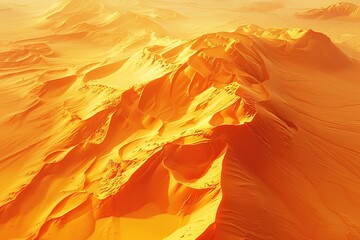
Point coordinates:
[[179, 120]]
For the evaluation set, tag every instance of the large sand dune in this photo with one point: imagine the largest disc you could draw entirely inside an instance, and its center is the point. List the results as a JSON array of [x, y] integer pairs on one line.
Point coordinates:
[[131, 121], [343, 10]]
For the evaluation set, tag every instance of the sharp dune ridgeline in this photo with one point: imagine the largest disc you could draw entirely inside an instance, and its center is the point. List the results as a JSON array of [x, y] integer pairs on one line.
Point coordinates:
[[216, 120], [344, 10]]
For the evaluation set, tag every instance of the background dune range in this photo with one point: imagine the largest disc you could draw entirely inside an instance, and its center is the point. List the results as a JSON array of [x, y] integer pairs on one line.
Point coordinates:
[[210, 120]]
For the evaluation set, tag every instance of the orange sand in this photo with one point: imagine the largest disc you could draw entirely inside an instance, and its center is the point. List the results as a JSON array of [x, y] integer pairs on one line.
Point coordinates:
[[214, 120]]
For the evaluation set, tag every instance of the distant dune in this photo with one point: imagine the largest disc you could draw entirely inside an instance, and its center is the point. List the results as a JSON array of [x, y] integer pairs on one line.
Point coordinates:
[[343, 10], [100, 23]]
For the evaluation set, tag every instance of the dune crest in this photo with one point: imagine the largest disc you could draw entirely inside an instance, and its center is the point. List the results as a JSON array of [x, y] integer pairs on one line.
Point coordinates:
[[344, 10], [119, 124], [220, 80], [99, 22]]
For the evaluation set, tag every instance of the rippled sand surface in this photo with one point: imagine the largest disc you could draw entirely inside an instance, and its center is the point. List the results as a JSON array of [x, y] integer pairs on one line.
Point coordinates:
[[209, 120]]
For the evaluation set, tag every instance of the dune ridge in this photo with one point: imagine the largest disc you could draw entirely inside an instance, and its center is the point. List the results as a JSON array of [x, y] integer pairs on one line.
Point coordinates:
[[344, 10], [244, 134], [99, 22], [102, 134]]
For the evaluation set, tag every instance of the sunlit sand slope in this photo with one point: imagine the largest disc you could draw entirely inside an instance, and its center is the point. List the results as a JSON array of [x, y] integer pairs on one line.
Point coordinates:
[[113, 127]]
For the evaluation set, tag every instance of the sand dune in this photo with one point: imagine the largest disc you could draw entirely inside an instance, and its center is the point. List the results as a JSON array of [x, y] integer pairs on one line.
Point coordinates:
[[343, 10], [113, 127], [24, 56], [99, 22]]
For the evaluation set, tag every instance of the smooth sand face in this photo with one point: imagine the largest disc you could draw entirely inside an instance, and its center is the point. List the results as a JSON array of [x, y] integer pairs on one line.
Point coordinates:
[[179, 120]]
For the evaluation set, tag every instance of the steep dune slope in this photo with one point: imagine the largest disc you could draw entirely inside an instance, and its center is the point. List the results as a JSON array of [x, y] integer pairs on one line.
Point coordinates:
[[288, 161], [105, 153]]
